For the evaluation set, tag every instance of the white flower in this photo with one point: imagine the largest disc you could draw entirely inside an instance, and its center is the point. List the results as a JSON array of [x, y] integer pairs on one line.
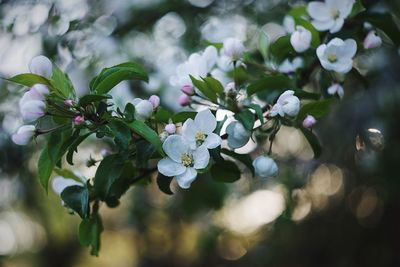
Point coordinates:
[[233, 48], [329, 15], [301, 39], [59, 184], [143, 109], [41, 65], [337, 55], [37, 92], [287, 104], [238, 136], [288, 66], [289, 24], [24, 135], [32, 110], [199, 132], [265, 167], [372, 40], [182, 162], [336, 89], [309, 122]]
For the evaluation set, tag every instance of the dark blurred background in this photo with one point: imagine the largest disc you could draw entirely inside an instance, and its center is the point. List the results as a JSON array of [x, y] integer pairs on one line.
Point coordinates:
[[340, 210]]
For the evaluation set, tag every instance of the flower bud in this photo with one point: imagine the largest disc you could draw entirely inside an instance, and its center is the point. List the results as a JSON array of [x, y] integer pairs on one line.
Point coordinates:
[[301, 39], [336, 89], [238, 136], [170, 128], [78, 120], [184, 100], [32, 110], [289, 24], [309, 122], [69, 102], [155, 101], [187, 89], [143, 109], [265, 167], [372, 40], [24, 135], [287, 104], [41, 65], [233, 48]]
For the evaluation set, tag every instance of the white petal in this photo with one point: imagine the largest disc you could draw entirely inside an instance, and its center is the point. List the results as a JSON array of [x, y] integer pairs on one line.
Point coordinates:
[[41, 65], [60, 183], [336, 41], [318, 10], [344, 66], [284, 96], [323, 25], [349, 49], [337, 26], [210, 55], [168, 167], [321, 51], [201, 157], [32, 110], [185, 180], [212, 141], [205, 121], [174, 146], [189, 130]]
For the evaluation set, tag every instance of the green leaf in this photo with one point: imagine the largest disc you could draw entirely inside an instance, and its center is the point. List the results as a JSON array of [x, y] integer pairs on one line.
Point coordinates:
[[29, 79], [74, 147], [205, 89], [183, 116], [282, 48], [258, 111], [87, 99], [121, 132], [315, 41], [162, 115], [129, 112], [226, 171], [244, 158], [298, 11], [318, 109], [164, 183], [77, 198], [110, 77], [45, 168], [358, 7], [110, 168], [313, 141], [263, 44], [271, 82], [89, 233], [246, 117], [214, 85], [147, 133], [144, 151], [61, 83]]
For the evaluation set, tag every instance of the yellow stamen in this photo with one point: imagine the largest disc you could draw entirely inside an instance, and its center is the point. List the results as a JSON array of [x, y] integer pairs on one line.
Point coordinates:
[[187, 160]]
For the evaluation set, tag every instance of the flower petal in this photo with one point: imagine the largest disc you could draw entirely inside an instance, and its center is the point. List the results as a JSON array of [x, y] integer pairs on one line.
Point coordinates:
[[318, 11], [337, 26], [185, 179], [201, 157], [168, 167], [323, 25], [212, 141], [174, 146], [205, 121], [189, 130]]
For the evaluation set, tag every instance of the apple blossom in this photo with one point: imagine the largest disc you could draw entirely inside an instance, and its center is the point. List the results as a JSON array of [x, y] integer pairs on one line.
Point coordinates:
[[301, 39], [238, 136], [41, 65], [329, 15], [287, 104], [372, 40], [32, 110], [289, 24], [170, 128], [309, 122], [288, 66], [184, 100], [155, 101], [143, 109], [199, 132], [37, 92], [78, 120], [187, 89], [336, 89], [233, 48], [265, 167], [337, 55], [24, 135], [181, 161]]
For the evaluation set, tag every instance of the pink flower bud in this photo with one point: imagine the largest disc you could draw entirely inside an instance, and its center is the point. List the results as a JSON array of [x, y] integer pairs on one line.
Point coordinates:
[[24, 135], [155, 101], [372, 40], [187, 89], [78, 120], [184, 100], [170, 128], [69, 102], [309, 122]]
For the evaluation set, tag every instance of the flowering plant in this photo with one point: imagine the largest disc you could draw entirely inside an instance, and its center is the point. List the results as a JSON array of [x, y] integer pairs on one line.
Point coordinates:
[[291, 81]]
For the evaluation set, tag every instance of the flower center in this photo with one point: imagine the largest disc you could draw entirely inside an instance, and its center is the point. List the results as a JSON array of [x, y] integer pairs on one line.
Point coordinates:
[[332, 58], [335, 13], [187, 160], [200, 137]]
